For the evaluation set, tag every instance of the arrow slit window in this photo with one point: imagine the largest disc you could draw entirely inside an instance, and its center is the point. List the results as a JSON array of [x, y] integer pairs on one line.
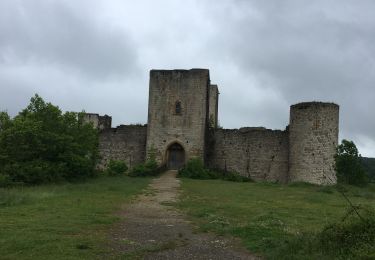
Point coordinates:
[[178, 108]]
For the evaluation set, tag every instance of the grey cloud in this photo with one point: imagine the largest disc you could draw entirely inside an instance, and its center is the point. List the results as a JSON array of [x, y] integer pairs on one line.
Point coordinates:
[[53, 33], [320, 50]]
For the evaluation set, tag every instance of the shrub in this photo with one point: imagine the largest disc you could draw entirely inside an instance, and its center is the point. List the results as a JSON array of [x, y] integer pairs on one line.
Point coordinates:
[[34, 172], [150, 168], [116, 167], [42, 144], [139, 170], [194, 169]]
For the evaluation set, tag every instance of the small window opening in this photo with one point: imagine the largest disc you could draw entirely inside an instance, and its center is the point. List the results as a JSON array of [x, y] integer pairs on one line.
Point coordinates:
[[178, 108]]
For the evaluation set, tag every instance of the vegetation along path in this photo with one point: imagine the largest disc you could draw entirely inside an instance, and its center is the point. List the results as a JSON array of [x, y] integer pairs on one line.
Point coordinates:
[[153, 229]]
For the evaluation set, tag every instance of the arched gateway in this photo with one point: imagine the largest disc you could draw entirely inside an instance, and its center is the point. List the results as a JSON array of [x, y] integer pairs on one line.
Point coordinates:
[[175, 156]]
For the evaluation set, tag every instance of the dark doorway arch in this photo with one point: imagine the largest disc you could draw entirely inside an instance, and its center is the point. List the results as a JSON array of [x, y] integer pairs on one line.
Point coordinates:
[[176, 156]]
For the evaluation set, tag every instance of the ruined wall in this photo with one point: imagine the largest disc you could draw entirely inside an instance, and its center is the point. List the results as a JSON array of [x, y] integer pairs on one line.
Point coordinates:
[[213, 106], [259, 153], [126, 142], [99, 122], [105, 122], [313, 137], [165, 126]]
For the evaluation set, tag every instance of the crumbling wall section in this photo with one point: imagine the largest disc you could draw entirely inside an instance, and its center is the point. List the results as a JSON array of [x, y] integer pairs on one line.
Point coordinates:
[[99, 122], [258, 153]]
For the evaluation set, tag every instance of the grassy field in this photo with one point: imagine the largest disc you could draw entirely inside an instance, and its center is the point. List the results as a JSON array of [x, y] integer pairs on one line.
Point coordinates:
[[267, 216], [67, 221]]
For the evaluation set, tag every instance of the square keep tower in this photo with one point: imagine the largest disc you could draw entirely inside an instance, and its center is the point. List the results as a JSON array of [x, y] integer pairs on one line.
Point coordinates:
[[178, 115]]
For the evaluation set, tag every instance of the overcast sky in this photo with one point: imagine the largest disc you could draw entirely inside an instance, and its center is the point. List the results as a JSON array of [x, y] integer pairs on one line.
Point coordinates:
[[265, 55]]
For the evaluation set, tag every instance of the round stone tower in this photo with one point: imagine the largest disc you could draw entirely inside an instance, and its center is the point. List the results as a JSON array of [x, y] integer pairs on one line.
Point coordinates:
[[313, 137]]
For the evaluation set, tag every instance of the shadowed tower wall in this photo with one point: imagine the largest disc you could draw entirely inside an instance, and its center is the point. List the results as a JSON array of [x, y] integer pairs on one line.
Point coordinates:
[[213, 105], [313, 137], [178, 112]]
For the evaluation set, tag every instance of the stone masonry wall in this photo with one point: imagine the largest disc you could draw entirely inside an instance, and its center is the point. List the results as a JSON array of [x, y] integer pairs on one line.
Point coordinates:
[[313, 139], [213, 105], [259, 153], [165, 126], [126, 142], [99, 122]]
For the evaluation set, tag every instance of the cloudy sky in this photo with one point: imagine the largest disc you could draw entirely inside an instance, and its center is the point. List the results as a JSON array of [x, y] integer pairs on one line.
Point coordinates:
[[265, 55]]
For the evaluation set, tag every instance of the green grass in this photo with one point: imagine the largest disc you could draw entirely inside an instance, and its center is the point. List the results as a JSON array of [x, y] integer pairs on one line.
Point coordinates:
[[267, 216], [66, 221]]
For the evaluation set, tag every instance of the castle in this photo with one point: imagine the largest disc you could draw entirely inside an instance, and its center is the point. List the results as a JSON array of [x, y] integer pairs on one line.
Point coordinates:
[[183, 123]]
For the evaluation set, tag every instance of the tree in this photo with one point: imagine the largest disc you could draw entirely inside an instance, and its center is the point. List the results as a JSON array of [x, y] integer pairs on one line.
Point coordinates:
[[349, 168], [42, 144], [4, 120]]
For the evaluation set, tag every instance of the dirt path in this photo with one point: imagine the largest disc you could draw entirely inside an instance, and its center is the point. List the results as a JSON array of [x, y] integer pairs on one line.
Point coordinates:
[[153, 229]]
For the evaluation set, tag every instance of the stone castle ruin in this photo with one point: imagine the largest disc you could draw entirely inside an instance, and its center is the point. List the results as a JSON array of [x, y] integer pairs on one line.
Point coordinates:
[[183, 123]]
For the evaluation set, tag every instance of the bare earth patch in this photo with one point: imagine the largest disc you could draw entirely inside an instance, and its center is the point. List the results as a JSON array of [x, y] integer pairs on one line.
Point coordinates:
[[153, 229]]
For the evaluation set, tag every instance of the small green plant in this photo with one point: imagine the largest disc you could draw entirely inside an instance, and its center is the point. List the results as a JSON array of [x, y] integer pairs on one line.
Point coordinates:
[[116, 167], [144, 169], [194, 169], [149, 168]]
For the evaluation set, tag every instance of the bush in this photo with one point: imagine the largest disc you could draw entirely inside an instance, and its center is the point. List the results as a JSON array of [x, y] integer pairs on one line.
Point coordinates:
[[195, 169], [150, 168], [116, 167], [34, 172], [42, 144]]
